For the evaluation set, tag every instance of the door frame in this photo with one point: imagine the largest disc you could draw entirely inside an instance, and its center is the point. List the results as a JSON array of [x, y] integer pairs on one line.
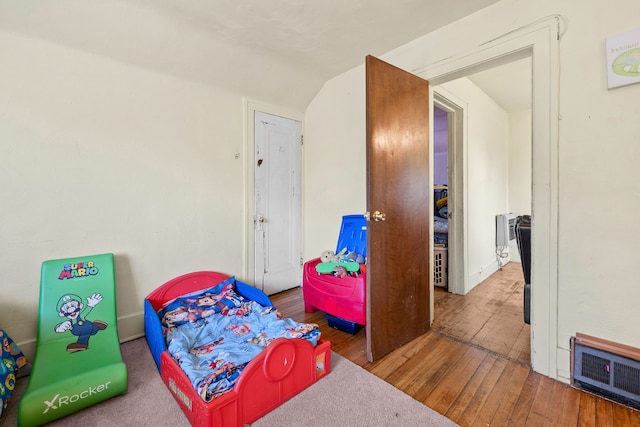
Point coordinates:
[[249, 107], [458, 259], [541, 42]]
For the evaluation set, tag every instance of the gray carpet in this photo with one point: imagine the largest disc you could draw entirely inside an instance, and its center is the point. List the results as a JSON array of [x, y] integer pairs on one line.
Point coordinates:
[[349, 396]]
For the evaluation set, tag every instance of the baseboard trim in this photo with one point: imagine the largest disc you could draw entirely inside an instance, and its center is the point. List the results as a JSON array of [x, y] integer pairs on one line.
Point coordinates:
[[131, 327], [479, 276]]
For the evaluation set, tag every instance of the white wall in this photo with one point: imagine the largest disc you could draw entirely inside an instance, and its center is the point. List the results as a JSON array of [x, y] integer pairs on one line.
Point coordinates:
[[335, 161], [487, 175], [520, 162], [598, 248], [599, 194], [100, 156]]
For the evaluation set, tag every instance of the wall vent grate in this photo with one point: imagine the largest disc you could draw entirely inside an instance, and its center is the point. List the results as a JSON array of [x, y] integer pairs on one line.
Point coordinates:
[[596, 368], [606, 368], [627, 378]]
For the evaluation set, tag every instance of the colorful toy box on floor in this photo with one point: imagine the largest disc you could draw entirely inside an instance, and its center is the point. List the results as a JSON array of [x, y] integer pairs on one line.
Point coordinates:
[[341, 297], [77, 361], [279, 371]]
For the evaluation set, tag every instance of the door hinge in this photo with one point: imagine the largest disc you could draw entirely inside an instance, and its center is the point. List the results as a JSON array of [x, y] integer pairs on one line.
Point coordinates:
[[301, 262], [301, 139]]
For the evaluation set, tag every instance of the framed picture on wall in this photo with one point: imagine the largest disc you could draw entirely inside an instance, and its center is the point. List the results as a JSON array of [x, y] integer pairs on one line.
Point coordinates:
[[623, 59]]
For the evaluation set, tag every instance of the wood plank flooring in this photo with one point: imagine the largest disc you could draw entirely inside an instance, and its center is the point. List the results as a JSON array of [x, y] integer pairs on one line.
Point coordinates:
[[474, 365], [490, 316]]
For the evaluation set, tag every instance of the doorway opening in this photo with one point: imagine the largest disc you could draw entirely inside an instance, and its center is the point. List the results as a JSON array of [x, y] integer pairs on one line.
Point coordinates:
[[478, 174]]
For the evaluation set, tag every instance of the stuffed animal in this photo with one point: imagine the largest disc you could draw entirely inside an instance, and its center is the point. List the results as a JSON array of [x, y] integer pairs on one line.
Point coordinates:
[[342, 256], [328, 256], [354, 257], [331, 256], [339, 271]]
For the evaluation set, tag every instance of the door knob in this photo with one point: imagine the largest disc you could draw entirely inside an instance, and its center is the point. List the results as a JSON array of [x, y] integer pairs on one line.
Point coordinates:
[[376, 216], [379, 216], [261, 219]]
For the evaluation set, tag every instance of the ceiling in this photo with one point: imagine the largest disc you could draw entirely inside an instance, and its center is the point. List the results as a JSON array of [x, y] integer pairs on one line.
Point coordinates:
[[508, 85], [330, 36], [246, 45]]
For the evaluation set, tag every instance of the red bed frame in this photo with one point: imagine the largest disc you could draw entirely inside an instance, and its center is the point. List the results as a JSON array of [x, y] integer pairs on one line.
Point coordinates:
[[282, 370]]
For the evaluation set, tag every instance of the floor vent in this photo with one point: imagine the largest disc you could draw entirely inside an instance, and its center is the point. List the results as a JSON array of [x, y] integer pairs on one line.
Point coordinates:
[[606, 368]]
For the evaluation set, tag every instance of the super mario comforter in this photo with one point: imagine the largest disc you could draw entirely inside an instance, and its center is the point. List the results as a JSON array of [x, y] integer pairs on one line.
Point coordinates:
[[213, 334]]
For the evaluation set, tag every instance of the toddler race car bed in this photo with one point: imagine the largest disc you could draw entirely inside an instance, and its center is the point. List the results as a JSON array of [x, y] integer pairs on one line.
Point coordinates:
[[225, 353]]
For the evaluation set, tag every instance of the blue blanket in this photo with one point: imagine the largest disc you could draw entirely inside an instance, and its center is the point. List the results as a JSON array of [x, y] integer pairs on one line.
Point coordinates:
[[214, 334]]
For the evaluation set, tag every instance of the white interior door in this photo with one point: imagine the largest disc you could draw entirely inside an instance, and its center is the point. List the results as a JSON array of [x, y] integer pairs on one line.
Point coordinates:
[[277, 203]]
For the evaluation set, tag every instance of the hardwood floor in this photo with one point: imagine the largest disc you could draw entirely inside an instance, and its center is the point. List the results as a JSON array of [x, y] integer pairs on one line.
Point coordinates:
[[474, 365], [490, 316]]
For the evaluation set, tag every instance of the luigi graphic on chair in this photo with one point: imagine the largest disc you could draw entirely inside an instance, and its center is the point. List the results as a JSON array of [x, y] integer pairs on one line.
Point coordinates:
[[70, 306]]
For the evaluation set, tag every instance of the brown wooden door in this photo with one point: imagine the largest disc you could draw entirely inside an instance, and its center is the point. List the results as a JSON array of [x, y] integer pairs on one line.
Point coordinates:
[[398, 278]]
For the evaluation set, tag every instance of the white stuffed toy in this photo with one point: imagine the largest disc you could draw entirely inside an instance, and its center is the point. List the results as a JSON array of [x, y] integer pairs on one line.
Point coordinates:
[[331, 256]]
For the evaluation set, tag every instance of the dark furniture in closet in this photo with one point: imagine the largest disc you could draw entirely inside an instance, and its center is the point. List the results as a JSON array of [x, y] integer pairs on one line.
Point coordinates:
[[523, 238]]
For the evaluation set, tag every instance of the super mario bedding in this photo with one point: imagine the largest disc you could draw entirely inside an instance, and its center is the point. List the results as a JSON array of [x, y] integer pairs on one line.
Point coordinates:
[[214, 333]]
